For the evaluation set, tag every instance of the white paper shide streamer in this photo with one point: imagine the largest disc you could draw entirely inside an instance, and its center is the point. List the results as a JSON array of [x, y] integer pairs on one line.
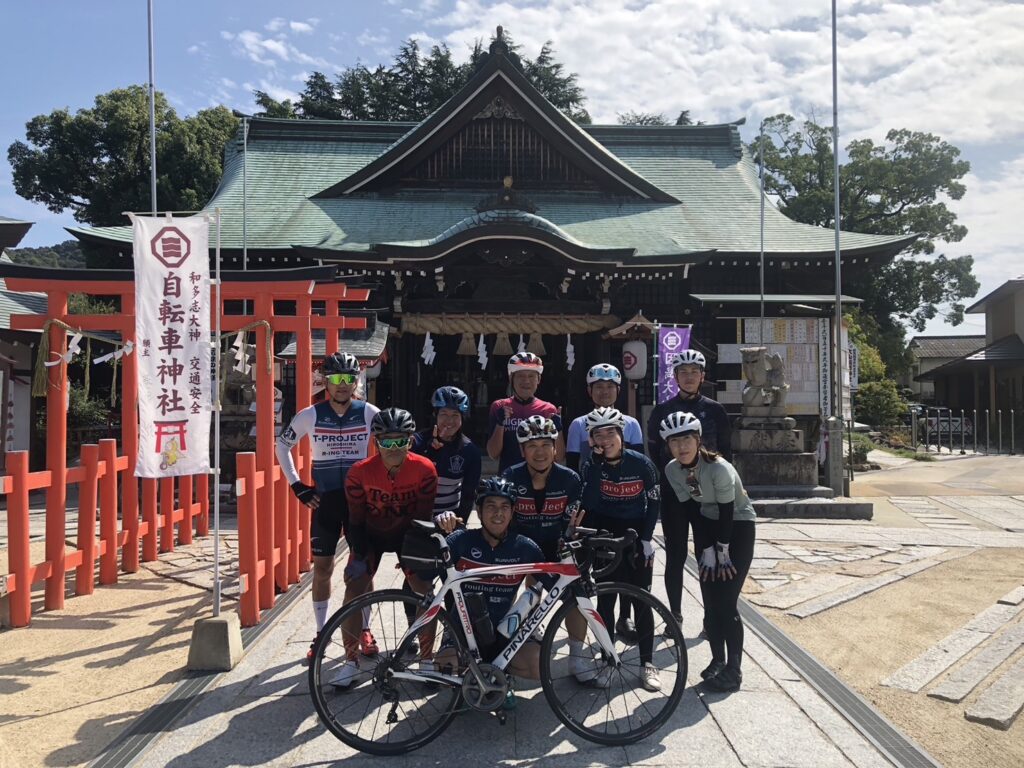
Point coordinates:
[[428, 354], [172, 328], [481, 352], [570, 352]]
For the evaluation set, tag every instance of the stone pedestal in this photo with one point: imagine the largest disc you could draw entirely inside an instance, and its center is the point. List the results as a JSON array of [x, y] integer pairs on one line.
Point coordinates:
[[216, 643]]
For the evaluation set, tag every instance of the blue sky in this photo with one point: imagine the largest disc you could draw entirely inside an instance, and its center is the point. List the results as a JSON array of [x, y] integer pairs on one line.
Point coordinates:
[[951, 67]]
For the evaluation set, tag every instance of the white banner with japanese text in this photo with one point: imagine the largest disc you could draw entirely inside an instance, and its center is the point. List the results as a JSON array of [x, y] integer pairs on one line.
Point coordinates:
[[172, 332]]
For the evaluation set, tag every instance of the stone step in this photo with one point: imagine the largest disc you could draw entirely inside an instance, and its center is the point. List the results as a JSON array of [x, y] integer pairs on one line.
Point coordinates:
[[788, 492], [814, 509], [1001, 702]]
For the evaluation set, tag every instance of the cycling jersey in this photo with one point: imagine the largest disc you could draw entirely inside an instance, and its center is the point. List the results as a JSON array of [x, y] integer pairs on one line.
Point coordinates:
[[622, 495], [382, 508], [469, 549], [337, 441], [717, 485], [542, 514], [510, 453], [716, 433], [576, 440], [458, 467]]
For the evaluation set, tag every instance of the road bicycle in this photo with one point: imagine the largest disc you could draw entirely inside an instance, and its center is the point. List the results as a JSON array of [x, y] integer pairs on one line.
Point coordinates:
[[400, 700]]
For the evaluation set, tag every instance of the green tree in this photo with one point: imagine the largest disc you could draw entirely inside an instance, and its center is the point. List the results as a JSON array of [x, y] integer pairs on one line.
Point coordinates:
[[67, 255], [641, 118], [879, 404], [897, 188], [414, 85], [96, 162], [870, 366], [684, 118]]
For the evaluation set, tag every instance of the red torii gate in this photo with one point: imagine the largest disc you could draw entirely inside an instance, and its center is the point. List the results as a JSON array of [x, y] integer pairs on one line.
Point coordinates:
[[262, 564]]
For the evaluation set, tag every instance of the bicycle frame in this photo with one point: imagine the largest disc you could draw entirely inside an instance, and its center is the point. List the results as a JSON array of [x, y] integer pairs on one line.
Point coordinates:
[[567, 572]]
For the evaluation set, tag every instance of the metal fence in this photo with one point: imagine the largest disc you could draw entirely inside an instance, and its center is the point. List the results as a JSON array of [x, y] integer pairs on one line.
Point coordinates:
[[957, 430]]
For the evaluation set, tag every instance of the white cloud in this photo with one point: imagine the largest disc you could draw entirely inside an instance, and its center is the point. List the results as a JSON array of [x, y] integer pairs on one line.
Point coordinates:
[[228, 82], [368, 38], [276, 25], [269, 51], [301, 27], [192, 49]]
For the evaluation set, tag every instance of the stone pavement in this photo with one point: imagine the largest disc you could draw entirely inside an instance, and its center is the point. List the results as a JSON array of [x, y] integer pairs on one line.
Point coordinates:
[[261, 714]]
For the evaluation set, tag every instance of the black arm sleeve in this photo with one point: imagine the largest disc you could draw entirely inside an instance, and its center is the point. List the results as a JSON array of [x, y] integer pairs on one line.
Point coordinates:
[[724, 434], [723, 531], [654, 441], [572, 461]]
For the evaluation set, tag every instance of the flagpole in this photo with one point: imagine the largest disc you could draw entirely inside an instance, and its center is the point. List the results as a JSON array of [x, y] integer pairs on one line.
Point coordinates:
[[835, 184], [152, 112], [760, 154], [216, 427]]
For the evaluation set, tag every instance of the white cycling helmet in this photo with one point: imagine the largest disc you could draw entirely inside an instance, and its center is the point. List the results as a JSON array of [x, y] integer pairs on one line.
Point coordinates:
[[604, 372], [688, 357], [679, 423], [525, 361], [605, 417], [536, 427]]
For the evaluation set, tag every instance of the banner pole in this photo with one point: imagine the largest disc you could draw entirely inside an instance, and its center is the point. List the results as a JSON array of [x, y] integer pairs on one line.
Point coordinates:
[[656, 359], [216, 428]]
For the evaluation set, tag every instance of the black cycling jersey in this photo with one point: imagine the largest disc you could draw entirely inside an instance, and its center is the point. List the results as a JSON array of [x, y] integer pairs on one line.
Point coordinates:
[[626, 494], [542, 515], [716, 432]]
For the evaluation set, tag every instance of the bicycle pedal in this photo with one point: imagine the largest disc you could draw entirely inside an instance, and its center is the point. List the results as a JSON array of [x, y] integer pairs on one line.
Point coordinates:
[[502, 718]]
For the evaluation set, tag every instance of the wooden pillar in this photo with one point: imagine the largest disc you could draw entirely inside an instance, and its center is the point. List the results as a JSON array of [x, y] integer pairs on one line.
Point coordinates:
[[130, 438], [303, 399], [56, 454], [265, 446], [84, 574]]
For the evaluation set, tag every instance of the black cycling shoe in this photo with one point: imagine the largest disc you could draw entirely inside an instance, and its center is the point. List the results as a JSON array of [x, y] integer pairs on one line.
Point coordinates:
[[625, 630], [712, 669], [726, 681]]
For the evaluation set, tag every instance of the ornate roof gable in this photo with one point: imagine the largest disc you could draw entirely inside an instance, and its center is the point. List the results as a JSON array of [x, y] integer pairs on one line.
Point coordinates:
[[499, 125]]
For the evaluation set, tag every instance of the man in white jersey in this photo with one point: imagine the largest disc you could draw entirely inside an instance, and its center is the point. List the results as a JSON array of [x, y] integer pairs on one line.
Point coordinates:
[[339, 433]]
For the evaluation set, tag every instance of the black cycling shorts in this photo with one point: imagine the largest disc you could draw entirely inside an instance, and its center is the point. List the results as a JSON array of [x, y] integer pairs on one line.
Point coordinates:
[[328, 521]]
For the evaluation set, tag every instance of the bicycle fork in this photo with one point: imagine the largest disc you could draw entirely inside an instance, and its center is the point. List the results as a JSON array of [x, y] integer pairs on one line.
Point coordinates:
[[597, 626]]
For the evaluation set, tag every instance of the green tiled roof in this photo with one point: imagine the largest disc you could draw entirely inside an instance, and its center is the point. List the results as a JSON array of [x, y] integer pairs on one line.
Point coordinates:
[[705, 167], [14, 303]]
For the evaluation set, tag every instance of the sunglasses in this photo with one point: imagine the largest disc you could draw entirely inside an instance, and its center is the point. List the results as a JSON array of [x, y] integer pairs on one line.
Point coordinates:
[[394, 442], [692, 484], [341, 378], [604, 376]]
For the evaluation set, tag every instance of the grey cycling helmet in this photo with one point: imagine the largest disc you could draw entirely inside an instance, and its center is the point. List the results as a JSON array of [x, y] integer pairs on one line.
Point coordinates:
[[392, 420], [604, 372], [450, 397], [605, 417], [688, 357], [341, 362], [679, 423], [536, 427]]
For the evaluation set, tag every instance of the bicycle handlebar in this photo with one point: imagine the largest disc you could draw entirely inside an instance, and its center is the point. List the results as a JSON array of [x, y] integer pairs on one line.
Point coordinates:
[[597, 542]]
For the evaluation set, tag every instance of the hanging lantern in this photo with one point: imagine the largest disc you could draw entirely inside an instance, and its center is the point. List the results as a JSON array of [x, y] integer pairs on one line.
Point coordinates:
[[536, 345], [634, 359], [466, 345], [373, 371], [502, 346]]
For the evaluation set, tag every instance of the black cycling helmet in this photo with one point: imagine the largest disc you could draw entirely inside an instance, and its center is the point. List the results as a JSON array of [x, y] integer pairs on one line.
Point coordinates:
[[495, 486], [451, 397], [341, 362], [393, 420]]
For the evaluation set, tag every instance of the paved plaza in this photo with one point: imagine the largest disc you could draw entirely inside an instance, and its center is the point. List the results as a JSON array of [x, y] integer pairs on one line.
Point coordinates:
[[806, 573]]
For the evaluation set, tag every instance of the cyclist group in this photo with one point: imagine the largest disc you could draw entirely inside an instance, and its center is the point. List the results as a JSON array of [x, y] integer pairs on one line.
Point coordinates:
[[373, 474]]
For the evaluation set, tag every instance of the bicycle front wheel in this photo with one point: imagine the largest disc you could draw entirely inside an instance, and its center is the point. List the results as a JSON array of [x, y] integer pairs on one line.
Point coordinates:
[[599, 700], [351, 682]]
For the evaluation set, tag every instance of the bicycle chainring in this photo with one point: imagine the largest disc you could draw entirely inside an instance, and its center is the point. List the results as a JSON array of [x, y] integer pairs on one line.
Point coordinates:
[[485, 701]]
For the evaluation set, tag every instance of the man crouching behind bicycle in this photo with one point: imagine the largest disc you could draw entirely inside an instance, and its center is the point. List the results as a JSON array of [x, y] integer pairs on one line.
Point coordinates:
[[494, 544], [621, 491]]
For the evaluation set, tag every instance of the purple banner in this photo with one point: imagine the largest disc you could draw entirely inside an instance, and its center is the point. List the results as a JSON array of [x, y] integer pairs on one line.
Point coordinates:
[[672, 339]]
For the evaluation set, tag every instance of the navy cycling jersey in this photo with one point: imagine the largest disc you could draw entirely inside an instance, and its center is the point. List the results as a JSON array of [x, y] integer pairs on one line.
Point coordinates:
[[626, 494], [469, 549], [542, 515], [716, 432], [458, 470], [337, 442]]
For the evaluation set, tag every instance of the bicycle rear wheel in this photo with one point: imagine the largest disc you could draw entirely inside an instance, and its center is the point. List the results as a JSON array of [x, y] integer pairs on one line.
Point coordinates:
[[611, 705], [374, 712]]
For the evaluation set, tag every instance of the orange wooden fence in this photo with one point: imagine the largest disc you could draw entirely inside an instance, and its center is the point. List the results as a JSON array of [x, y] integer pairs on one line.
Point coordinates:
[[183, 509]]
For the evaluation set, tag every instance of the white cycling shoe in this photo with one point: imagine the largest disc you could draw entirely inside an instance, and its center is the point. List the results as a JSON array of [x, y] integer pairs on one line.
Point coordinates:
[[649, 679], [590, 672], [347, 675]]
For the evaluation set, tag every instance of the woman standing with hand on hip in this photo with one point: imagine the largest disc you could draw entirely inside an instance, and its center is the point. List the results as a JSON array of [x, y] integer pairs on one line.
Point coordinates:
[[723, 541]]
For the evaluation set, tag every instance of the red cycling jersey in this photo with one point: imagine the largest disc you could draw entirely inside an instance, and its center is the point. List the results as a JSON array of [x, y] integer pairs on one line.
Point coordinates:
[[382, 508]]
